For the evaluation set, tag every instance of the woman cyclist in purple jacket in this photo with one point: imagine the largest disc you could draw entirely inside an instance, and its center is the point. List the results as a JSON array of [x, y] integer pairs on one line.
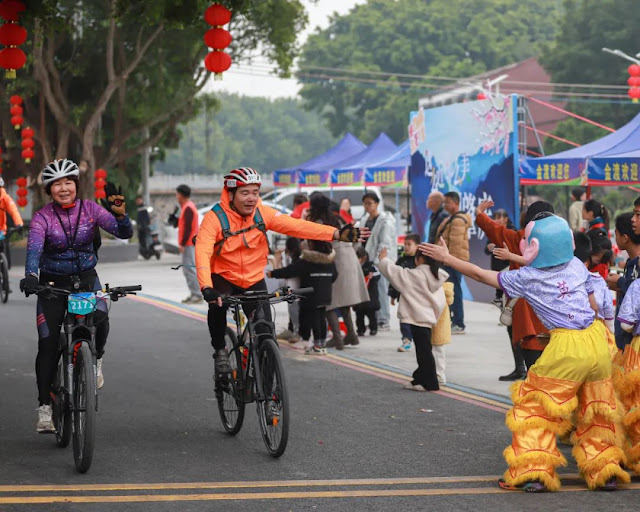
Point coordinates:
[[60, 252]]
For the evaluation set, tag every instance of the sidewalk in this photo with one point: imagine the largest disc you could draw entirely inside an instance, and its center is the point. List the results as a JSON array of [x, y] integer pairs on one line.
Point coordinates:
[[474, 360]]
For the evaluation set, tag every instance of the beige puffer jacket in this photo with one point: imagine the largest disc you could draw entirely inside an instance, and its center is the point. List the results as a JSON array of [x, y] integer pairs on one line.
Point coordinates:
[[441, 332], [454, 230]]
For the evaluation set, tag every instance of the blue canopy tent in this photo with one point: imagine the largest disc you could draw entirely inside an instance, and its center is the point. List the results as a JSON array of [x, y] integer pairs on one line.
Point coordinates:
[[351, 169], [587, 165], [312, 170]]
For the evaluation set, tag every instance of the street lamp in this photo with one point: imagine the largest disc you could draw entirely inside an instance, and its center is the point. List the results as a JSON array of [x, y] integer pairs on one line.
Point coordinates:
[[622, 55]]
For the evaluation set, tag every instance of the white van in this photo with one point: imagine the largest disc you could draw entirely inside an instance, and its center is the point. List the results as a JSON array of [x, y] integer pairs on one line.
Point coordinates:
[[284, 196]]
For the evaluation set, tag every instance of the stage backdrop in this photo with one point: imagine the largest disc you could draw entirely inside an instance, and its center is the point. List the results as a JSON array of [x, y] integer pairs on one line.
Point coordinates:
[[469, 148]]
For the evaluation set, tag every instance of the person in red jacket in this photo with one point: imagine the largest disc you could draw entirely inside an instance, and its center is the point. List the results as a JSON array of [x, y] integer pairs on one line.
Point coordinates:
[[187, 229], [526, 326]]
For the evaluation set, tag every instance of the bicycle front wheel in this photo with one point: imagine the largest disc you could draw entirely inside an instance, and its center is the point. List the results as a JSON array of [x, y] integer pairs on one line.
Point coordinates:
[[84, 414], [229, 388], [4, 279], [273, 406], [61, 410]]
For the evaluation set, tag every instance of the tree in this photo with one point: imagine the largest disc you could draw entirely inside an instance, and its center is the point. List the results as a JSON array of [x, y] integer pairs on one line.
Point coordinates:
[[576, 57], [109, 78], [257, 132], [439, 38]]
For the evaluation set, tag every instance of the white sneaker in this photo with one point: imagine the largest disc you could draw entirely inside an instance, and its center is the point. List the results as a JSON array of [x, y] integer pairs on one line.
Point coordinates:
[[99, 375], [45, 421], [405, 346]]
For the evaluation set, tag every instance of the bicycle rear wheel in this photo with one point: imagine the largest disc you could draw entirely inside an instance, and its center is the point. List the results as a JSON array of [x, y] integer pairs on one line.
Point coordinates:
[[61, 410], [229, 388], [84, 415], [4, 279], [273, 410]]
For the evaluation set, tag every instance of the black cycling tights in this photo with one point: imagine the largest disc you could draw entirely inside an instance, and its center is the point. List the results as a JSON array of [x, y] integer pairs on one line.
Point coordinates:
[[50, 315], [217, 317]]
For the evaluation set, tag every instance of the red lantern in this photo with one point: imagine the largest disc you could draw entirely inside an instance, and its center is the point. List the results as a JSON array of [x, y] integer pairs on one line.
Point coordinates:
[[10, 10], [634, 70], [12, 34], [21, 182], [16, 110], [27, 154], [22, 202], [634, 94], [100, 193], [22, 192], [217, 38], [481, 96], [217, 15], [15, 100], [12, 58], [27, 133], [28, 143], [217, 62], [100, 183], [100, 173], [16, 121]]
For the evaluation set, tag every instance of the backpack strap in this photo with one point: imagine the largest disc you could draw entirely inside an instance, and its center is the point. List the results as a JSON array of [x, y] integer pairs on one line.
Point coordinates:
[[258, 222]]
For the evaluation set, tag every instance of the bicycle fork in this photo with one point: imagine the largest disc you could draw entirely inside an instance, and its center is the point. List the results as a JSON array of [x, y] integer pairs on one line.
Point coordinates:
[[72, 349]]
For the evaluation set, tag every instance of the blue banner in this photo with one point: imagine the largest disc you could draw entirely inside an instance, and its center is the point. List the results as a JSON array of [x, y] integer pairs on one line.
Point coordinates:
[[313, 178], [469, 148], [284, 178], [611, 171], [543, 171], [384, 176], [346, 177]]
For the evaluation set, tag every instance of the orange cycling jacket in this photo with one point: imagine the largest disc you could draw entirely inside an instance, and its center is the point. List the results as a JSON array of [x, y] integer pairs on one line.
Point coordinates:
[[243, 257], [8, 206]]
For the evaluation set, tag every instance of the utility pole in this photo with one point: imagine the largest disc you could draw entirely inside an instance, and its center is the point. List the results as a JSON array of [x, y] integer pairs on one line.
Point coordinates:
[[146, 157]]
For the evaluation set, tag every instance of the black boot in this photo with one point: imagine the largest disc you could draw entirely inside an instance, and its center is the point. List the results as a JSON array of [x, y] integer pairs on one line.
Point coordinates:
[[516, 374]]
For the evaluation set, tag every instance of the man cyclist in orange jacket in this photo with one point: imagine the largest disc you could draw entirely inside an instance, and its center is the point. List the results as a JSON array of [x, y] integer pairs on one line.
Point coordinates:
[[232, 249], [8, 206]]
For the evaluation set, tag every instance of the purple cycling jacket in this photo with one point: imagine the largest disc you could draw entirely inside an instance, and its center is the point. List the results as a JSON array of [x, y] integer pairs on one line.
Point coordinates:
[[61, 239]]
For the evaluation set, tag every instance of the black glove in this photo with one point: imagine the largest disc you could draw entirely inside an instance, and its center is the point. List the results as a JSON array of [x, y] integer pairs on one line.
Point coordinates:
[[114, 201], [349, 234], [29, 285], [173, 217], [210, 295]]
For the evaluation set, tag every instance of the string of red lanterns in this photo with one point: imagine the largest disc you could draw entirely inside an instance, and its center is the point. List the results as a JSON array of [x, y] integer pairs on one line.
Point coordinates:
[[22, 192], [12, 35], [27, 145], [101, 180], [217, 38], [634, 82], [16, 111]]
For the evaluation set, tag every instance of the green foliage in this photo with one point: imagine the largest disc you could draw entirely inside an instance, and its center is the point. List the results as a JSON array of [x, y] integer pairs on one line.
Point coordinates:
[[453, 38], [576, 56], [246, 131]]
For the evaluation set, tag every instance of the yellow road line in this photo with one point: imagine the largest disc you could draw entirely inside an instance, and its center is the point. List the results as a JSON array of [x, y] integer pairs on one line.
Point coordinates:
[[365, 493]]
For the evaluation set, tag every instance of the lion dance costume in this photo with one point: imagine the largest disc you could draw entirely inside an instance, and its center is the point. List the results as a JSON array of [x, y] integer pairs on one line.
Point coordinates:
[[627, 374], [573, 373]]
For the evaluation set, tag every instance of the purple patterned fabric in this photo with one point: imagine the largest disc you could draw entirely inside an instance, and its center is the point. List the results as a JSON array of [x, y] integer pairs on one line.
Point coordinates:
[[629, 313], [603, 296], [558, 295], [48, 248]]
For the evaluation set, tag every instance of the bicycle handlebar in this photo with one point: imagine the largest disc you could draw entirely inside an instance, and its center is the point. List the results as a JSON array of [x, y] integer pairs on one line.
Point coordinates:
[[115, 293], [280, 295]]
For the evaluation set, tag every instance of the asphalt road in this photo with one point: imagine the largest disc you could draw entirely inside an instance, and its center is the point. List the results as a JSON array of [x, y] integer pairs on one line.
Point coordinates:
[[353, 436]]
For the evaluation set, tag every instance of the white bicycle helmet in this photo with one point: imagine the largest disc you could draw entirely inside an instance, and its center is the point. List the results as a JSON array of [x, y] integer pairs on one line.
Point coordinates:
[[241, 177], [1, 182], [57, 169]]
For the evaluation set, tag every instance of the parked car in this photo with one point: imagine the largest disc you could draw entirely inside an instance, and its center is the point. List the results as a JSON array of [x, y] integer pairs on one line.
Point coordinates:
[[284, 196], [170, 233]]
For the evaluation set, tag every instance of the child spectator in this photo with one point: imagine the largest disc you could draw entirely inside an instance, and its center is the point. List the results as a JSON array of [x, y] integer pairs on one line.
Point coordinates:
[[368, 309], [292, 252], [441, 334], [421, 304], [316, 269], [573, 372], [406, 260], [601, 253], [596, 215], [627, 240]]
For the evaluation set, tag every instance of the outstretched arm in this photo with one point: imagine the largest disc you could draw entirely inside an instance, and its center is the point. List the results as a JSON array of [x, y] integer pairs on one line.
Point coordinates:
[[440, 253], [313, 231], [503, 253]]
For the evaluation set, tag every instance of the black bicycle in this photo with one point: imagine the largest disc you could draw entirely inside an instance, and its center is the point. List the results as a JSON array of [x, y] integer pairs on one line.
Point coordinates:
[[257, 374], [5, 263], [74, 392]]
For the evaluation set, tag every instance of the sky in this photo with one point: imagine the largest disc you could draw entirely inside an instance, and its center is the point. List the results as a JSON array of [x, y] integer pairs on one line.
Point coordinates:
[[249, 79]]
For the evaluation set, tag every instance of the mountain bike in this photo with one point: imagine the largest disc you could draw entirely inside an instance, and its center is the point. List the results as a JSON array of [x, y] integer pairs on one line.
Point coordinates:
[[5, 263], [74, 392], [256, 374]]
